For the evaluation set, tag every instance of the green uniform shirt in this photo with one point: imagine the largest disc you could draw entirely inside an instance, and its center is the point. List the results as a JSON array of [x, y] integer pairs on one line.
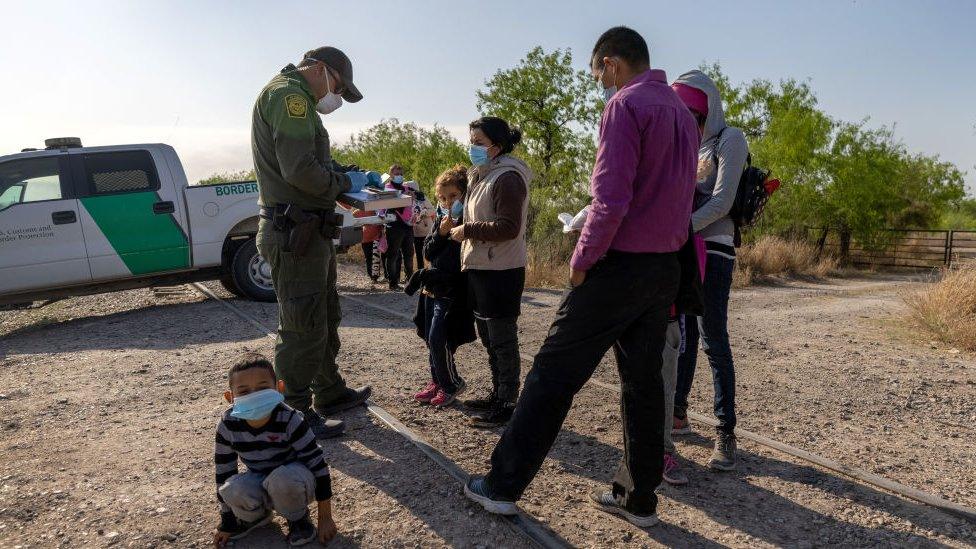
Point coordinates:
[[291, 147]]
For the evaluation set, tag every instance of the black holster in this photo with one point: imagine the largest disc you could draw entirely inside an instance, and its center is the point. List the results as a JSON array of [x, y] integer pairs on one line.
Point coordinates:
[[300, 225]]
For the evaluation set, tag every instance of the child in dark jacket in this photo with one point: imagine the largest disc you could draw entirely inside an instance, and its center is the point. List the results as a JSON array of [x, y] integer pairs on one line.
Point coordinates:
[[444, 318]]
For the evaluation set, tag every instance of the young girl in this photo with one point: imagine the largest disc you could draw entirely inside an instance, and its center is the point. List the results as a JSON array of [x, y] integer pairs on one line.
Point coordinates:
[[444, 318]]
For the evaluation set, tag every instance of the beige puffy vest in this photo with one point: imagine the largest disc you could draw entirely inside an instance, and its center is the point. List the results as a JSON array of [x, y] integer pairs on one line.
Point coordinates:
[[478, 206]]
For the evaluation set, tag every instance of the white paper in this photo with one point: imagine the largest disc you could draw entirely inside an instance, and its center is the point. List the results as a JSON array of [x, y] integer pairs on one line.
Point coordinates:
[[573, 223]]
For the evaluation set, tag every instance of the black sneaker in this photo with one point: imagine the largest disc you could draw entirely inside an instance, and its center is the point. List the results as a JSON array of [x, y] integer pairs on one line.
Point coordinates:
[[608, 503], [476, 491], [495, 417], [483, 404], [301, 531], [238, 528], [324, 428], [723, 457], [349, 399]]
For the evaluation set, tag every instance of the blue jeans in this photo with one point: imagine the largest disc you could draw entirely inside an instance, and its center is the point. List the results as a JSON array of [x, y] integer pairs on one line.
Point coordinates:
[[443, 370], [713, 328]]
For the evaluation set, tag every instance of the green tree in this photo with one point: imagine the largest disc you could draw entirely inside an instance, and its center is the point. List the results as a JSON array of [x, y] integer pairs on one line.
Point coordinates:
[[228, 177], [835, 174], [557, 108], [423, 153]]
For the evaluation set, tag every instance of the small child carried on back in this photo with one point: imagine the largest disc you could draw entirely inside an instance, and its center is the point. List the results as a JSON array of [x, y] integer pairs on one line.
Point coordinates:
[[444, 317], [285, 468]]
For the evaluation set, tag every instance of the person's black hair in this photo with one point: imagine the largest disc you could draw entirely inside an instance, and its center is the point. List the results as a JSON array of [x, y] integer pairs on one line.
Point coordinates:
[[248, 361], [498, 131], [622, 42]]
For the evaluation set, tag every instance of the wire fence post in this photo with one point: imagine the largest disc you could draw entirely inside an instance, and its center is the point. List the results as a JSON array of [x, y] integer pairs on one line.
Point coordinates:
[[948, 249]]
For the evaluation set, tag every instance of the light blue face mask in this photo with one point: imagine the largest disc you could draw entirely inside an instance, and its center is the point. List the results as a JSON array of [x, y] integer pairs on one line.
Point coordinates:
[[398, 179], [455, 212], [608, 92], [256, 405], [478, 155]]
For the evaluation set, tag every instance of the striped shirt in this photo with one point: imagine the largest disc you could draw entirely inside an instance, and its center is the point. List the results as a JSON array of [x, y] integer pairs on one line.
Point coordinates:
[[286, 438]]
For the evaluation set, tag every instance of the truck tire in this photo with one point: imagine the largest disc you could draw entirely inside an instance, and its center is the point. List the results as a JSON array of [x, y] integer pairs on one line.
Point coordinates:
[[250, 274]]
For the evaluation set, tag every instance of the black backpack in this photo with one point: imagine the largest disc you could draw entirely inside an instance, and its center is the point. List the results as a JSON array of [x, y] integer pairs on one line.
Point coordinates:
[[751, 196]]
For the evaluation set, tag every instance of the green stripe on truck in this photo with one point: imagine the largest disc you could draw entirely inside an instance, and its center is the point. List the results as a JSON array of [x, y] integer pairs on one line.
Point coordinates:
[[145, 242]]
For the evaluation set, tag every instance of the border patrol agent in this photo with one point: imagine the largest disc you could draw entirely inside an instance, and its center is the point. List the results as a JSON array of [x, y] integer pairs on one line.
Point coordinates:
[[298, 183]]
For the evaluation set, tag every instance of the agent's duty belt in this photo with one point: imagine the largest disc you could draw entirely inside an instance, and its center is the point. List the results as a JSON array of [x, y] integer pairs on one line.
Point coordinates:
[[301, 224]]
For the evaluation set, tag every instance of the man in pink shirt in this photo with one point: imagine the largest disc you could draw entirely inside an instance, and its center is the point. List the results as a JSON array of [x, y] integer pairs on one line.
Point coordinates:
[[624, 276]]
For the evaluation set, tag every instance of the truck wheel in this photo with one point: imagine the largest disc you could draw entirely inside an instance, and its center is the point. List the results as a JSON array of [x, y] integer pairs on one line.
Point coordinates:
[[251, 274]]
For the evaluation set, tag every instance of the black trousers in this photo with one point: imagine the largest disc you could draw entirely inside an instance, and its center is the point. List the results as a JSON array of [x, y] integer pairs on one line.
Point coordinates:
[[418, 248], [623, 304], [368, 256], [399, 252]]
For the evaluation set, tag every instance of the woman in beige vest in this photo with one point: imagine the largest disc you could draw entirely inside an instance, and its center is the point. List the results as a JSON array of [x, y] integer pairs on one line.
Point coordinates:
[[493, 253]]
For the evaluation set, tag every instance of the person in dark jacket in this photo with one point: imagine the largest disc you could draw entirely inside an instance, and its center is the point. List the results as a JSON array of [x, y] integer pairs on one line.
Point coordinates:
[[444, 318]]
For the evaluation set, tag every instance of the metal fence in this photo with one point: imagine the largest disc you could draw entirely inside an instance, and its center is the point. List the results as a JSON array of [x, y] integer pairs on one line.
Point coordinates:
[[921, 249]]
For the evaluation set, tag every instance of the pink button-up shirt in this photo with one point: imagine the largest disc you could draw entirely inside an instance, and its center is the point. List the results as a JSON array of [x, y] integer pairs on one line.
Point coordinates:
[[644, 175]]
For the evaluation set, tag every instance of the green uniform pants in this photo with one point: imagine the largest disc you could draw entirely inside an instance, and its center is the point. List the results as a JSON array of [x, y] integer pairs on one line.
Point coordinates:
[[308, 318]]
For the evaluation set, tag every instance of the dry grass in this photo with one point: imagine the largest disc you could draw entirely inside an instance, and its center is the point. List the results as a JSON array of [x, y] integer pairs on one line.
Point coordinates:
[[947, 309], [545, 274], [775, 256]]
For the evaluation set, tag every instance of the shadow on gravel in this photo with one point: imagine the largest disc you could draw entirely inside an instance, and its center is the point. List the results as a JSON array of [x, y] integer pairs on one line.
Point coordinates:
[[731, 499], [399, 472], [154, 327]]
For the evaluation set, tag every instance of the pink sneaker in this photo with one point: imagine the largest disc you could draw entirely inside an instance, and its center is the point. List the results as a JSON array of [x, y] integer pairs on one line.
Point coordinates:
[[672, 471], [443, 399], [429, 392]]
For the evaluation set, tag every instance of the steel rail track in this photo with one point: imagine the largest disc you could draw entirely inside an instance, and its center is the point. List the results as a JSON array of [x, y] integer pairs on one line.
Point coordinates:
[[846, 470], [522, 523]]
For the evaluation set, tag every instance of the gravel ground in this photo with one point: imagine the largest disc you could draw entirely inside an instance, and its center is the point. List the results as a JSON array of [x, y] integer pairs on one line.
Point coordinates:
[[109, 404]]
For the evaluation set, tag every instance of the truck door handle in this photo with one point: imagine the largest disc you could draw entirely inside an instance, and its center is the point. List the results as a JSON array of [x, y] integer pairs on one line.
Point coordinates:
[[163, 207], [64, 218]]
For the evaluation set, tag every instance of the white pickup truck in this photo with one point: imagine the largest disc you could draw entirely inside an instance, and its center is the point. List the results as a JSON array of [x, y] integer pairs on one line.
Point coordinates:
[[82, 220]]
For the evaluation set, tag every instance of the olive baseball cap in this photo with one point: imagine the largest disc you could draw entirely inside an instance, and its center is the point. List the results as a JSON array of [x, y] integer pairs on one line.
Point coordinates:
[[334, 58]]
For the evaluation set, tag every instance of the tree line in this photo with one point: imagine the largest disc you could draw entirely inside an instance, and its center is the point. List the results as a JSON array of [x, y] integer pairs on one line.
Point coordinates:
[[848, 176]]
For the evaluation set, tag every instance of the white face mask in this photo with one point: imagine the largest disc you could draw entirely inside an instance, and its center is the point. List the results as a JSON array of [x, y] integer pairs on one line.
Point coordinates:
[[331, 101]]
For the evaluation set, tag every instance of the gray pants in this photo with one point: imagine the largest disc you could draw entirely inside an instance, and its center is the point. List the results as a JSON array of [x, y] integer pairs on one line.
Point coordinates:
[[288, 490], [669, 372]]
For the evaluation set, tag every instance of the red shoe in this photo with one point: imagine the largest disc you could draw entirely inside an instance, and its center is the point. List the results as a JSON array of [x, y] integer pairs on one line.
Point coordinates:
[[443, 399], [429, 392]]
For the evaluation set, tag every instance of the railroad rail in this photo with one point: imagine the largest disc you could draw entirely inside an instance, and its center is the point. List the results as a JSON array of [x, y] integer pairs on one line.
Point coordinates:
[[846, 470], [522, 523]]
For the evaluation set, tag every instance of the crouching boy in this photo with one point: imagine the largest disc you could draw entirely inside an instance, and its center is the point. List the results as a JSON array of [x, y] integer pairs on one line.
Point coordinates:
[[285, 469]]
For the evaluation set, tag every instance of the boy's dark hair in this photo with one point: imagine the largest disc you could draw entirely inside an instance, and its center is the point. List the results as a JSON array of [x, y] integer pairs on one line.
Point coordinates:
[[498, 131], [248, 361], [622, 42], [456, 175]]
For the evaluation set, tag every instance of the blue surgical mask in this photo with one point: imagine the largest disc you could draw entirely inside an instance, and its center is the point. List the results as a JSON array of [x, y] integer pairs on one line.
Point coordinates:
[[456, 209], [398, 179], [608, 92], [256, 405], [478, 155]]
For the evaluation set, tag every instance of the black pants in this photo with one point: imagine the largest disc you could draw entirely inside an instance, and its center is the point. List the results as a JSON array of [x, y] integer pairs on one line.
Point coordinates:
[[623, 304], [500, 338], [399, 252], [496, 297], [418, 248], [368, 255]]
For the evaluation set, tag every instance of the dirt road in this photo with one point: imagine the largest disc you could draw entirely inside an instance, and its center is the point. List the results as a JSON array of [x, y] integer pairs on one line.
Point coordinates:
[[108, 403]]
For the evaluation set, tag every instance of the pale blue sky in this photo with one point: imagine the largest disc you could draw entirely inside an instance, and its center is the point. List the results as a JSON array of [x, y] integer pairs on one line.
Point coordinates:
[[187, 72]]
